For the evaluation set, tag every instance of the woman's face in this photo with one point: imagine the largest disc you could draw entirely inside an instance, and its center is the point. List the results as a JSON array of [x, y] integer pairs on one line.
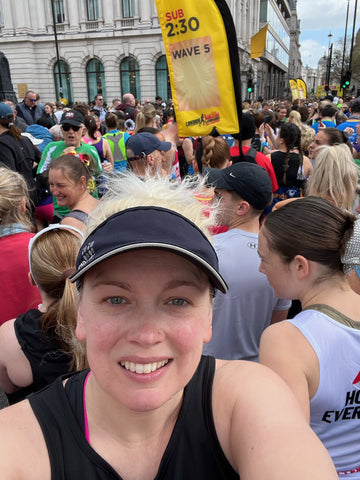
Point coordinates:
[[320, 139], [276, 270], [66, 191], [48, 110], [145, 316]]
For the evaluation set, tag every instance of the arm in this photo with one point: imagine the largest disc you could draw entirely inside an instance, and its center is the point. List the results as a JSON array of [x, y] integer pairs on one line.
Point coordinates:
[[287, 352], [271, 136], [108, 153], [262, 430], [188, 148], [15, 369], [308, 167]]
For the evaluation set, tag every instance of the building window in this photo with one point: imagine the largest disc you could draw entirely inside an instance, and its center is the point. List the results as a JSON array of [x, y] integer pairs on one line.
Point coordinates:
[[128, 8], [92, 10], [59, 11], [130, 77], [95, 77], [163, 88], [63, 84]]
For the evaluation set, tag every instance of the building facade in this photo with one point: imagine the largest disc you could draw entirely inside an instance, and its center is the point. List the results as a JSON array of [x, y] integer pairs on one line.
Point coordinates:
[[295, 63], [115, 46]]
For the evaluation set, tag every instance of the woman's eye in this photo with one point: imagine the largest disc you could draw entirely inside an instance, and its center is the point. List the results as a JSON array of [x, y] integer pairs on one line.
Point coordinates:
[[116, 300], [178, 302]]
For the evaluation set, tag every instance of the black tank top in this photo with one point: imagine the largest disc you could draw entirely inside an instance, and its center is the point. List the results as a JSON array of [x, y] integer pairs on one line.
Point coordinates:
[[193, 451], [278, 161]]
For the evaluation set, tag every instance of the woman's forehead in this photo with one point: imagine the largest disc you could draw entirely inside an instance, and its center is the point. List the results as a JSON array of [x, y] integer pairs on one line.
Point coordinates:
[[148, 261]]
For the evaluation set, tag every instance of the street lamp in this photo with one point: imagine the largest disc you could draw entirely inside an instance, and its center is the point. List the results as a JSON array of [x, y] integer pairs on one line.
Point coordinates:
[[329, 60], [57, 49]]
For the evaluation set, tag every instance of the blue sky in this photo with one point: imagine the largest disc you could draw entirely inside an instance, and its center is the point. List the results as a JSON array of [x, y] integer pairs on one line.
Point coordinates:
[[319, 18]]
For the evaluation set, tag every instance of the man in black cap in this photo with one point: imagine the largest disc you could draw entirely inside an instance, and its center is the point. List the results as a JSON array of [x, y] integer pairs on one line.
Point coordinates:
[[146, 154], [244, 190], [72, 127]]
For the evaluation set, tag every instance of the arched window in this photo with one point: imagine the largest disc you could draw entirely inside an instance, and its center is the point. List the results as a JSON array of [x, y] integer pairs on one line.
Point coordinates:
[[163, 88], [63, 84], [130, 77], [92, 10], [95, 77]]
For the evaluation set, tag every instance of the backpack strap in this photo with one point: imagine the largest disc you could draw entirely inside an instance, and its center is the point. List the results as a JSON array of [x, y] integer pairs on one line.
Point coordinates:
[[251, 155]]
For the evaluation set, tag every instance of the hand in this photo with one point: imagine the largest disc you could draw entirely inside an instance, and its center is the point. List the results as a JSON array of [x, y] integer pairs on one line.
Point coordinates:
[[67, 150], [262, 130], [349, 130], [107, 167], [268, 129]]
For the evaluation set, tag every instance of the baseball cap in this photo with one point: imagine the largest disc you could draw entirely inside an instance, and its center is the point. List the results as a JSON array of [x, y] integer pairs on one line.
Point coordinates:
[[72, 117], [144, 143], [5, 111], [148, 227], [250, 181]]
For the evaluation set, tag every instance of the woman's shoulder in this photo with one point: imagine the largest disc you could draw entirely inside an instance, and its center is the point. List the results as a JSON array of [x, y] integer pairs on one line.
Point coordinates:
[[22, 438]]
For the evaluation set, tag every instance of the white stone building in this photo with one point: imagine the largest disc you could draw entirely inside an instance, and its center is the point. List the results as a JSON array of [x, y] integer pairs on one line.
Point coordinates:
[[115, 46]]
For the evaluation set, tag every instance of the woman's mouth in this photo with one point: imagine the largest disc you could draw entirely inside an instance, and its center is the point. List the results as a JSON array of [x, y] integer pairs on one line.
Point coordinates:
[[141, 368]]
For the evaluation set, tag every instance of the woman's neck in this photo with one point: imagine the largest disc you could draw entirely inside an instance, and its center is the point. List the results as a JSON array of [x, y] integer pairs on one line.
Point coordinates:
[[85, 202], [335, 292], [128, 425]]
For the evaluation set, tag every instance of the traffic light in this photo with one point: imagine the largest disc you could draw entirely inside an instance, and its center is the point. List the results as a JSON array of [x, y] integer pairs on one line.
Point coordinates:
[[250, 85], [346, 80]]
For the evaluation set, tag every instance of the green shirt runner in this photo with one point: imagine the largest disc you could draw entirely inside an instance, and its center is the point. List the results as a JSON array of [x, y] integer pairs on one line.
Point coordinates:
[[54, 150]]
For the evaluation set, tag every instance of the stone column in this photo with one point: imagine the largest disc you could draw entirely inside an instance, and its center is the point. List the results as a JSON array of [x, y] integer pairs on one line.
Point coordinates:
[[108, 14], [38, 20], [73, 16], [22, 19], [8, 17], [144, 14]]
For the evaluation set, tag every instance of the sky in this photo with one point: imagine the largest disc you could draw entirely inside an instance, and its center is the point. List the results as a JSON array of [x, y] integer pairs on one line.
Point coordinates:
[[319, 18]]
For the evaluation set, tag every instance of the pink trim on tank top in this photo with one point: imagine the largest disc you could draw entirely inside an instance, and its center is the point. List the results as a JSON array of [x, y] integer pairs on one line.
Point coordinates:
[[87, 433]]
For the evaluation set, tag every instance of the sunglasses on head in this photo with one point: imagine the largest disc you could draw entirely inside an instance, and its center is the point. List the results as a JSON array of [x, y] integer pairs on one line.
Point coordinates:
[[67, 127]]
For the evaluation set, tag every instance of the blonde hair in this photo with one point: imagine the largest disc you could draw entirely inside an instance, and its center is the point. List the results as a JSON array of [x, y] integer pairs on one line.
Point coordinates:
[[216, 152], [307, 137], [53, 258], [295, 117], [128, 190], [14, 200], [145, 117], [335, 176]]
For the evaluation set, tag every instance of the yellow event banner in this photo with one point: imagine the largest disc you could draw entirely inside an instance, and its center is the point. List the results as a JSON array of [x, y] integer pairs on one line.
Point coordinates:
[[301, 88], [294, 89], [201, 67]]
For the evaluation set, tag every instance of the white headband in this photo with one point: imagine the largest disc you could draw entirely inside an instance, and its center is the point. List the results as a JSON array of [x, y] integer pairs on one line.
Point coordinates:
[[54, 226]]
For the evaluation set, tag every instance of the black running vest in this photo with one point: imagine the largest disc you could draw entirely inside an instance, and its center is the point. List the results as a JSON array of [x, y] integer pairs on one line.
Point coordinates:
[[193, 451]]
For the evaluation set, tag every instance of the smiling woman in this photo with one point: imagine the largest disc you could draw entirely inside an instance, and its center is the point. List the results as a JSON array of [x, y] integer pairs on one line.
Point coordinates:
[[151, 405]]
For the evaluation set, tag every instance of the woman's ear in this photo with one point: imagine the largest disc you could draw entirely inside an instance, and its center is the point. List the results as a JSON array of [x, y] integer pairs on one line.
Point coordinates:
[[83, 182], [302, 266], [22, 206]]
